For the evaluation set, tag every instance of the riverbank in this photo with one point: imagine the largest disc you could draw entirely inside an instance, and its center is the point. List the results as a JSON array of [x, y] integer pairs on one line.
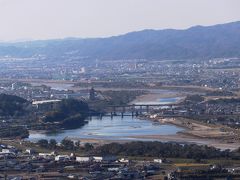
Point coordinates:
[[198, 133], [191, 132], [161, 96], [194, 133]]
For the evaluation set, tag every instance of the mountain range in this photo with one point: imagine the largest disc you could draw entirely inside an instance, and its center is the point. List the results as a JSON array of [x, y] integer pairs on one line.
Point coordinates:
[[197, 42]]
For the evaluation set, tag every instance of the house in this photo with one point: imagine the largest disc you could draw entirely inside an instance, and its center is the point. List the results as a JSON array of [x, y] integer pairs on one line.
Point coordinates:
[[153, 116], [122, 160], [62, 158], [113, 169], [3, 154], [98, 159], [158, 161], [129, 175], [45, 155], [30, 151], [9, 150], [84, 159], [46, 104], [104, 158], [3, 146]]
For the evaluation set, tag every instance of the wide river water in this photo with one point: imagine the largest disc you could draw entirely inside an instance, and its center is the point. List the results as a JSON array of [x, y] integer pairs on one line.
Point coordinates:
[[116, 128]]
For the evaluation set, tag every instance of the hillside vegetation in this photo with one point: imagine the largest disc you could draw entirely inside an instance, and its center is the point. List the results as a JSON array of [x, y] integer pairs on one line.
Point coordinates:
[[70, 114], [193, 43], [12, 105]]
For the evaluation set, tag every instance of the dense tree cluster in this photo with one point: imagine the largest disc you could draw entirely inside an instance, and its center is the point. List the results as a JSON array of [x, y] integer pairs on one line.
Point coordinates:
[[12, 132], [194, 98], [73, 106], [72, 122], [145, 149], [225, 101], [117, 98], [65, 144], [121, 97], [12, 105], [51, 144], [159, 149], [220, 93], [70, 113]]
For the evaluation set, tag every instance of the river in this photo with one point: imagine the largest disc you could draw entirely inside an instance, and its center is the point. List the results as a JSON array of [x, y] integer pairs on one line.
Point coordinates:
[[107, 128], [115, 128]]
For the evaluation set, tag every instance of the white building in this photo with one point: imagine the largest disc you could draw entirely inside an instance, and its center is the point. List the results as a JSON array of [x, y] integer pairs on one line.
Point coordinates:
[[104, 158], [157, 160], [2, 154], [46, 104], [122, 160], [62, 158], [30, 151], [11, 150], [84, 159], [45, 155], [98, 159]]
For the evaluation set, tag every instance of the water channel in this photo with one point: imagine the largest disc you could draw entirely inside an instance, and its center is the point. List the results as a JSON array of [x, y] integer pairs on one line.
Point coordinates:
[[115, 128]]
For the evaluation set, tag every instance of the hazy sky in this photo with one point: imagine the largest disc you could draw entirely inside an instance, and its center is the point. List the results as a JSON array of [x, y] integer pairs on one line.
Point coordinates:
[[44, 19]]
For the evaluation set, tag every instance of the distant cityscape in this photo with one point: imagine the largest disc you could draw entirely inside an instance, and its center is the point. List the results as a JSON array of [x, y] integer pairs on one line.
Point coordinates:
[[153, 104]]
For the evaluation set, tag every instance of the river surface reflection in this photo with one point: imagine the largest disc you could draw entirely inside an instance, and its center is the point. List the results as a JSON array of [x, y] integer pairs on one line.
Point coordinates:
[[107, 128]]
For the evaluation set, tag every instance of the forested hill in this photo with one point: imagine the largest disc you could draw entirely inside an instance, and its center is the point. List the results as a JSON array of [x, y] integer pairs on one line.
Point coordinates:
[[196, 42], [12, 105]]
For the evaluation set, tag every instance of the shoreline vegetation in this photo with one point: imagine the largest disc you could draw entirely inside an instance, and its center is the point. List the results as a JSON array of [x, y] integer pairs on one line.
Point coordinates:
[[69, 114]]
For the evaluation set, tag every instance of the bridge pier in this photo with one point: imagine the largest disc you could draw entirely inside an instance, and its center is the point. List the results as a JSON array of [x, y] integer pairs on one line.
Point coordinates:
[[137, 113], [141, 109], [147, 108], [101, 115]]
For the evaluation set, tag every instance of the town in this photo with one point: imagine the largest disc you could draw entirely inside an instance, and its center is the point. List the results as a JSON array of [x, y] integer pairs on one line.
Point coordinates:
[[200, 107], [28, 164], [120, 90]]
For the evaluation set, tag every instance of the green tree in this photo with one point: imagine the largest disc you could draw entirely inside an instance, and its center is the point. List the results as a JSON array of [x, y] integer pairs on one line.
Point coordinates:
[[43, 143], [52, 144], [88, 147], [67, 144]]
